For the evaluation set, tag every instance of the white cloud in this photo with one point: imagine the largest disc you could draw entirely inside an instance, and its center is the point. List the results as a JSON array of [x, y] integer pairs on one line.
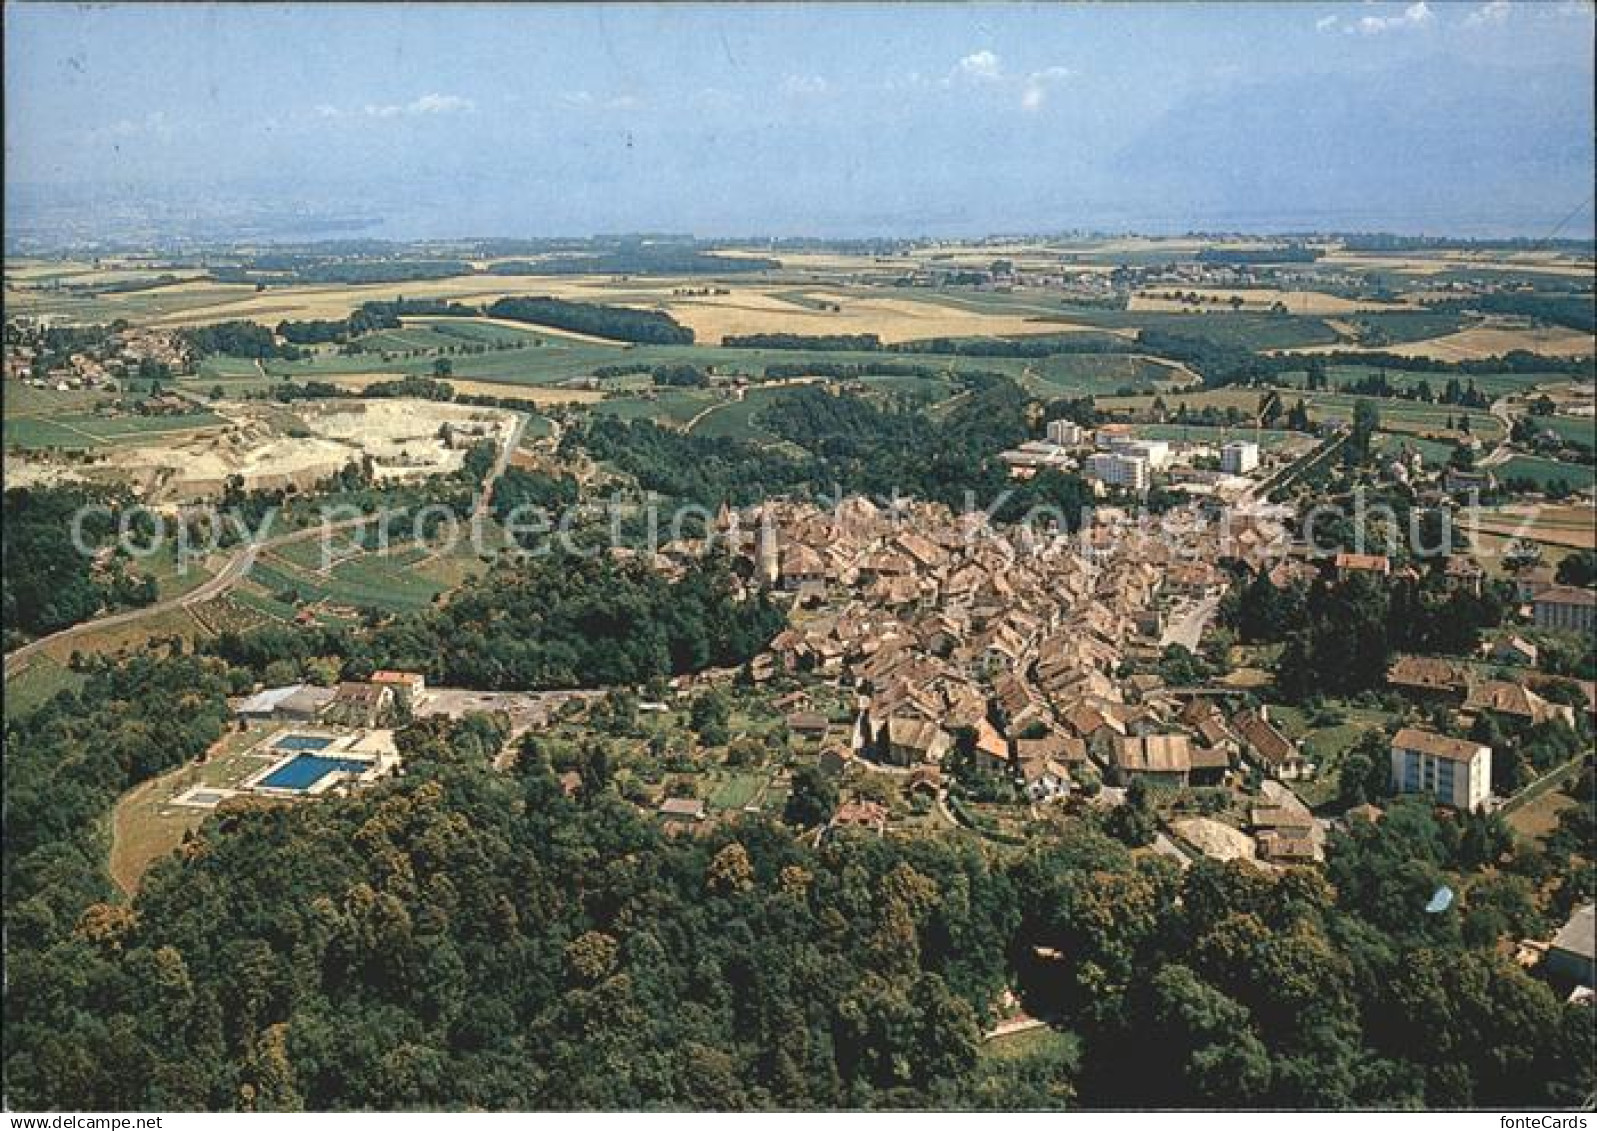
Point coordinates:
[[1494, 13], [1038, 83], [1325, 23], [805, 85], [1416, 15], [424, 106], [981, 65], [441, 104]]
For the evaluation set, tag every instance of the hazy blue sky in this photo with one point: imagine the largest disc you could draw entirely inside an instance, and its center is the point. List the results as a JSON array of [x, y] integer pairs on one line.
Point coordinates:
[[1470, 117]]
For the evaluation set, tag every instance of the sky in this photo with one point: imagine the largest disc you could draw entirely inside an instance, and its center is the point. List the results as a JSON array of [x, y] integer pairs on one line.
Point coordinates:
[[1468, 118]]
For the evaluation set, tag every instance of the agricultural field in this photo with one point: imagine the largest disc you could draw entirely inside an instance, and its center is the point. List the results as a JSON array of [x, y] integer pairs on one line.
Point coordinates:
[[1543, 472], [1577, 430], [77, 431], [36, 684], [1565, 526], [1479, 342], [1268, 439]]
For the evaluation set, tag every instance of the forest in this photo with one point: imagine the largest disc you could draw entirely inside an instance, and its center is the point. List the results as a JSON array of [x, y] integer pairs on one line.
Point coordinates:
[[467, 937], [47, 584], [854, 445], [621, 323]]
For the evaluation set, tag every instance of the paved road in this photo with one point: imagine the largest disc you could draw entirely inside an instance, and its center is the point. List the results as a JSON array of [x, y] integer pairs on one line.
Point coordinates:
[[1503, 451], [238, 567]]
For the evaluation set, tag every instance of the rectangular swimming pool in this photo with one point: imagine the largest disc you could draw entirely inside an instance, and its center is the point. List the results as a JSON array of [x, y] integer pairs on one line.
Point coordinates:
[[305, 770], [303, 742]]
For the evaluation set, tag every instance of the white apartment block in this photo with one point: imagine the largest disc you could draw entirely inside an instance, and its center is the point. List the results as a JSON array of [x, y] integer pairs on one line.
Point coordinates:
[[1566, 609], [1119, 470], [1155, 452], [1239, 457], [1066, 433], [1454, 771]]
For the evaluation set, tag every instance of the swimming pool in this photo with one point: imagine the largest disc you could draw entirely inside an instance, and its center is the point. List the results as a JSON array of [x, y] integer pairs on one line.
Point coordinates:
[[304, 770], [303, 742]]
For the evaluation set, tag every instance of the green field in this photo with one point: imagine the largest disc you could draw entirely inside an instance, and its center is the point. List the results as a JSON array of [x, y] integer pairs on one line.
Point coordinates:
[[37, 684], [666, 406], [1545, 471], [1268, 438], [88, 430], [735, 420], [1580, 431]]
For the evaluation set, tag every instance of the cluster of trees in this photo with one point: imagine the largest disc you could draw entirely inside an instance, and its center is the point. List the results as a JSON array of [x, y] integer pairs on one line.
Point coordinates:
[[622, 323], [467, 938], [280, 269], [826, 342], [1291, 253], [425, 388], [1031, 346], [519, 487], [853, 443], [682, 375], [1340, 636], [1378, 384], [554, 621], [238, 338], [48, 583], [66, 762], [1577, 311]]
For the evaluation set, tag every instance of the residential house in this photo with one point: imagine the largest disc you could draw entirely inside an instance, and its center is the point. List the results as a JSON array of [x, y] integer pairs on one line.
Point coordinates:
[[1271, 750], [1499, 697], [1210, 764], [1457, 772], [1573, 954], [1464, 572], [1531, 580], [1160, 759], [1372, 565], [991, 753], [681, 810], [868, 815], [1043, 778], [907, 741], [1428, 677], [408, 686], [809, 726], [1515, 650]]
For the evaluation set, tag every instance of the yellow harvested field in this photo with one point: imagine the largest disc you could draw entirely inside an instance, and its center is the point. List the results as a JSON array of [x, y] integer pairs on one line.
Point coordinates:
[[744, 310], [1261, 298], [1479, 342], [892, 319], [1549, 263], [1573, 527]]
